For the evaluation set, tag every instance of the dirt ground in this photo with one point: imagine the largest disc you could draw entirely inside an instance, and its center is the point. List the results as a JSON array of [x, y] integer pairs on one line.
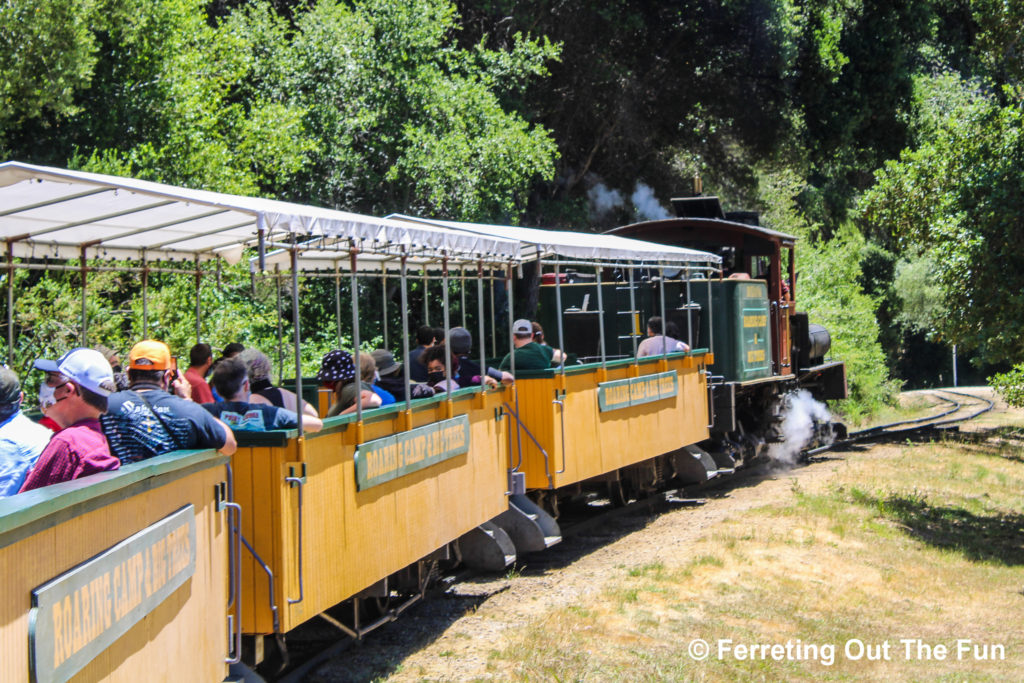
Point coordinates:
[[451, 636]]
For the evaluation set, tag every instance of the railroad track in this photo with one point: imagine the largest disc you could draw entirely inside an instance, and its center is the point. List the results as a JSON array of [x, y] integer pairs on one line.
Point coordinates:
[[585, 520], [917, 427]]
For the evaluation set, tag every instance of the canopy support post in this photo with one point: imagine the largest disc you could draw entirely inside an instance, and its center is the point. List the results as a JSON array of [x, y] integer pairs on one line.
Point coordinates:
[[600, 319], [298, 347], [634, 315], [426, 297], [337, 301], [10, 302], [494, 319], [85, 312], [664, 320], [462, 292], [447, 340], [689, 313], [199, 280], [480, 322], [353, 251], [280, 328], [384, 303], [558, 307], [404, 281], [145, 296]]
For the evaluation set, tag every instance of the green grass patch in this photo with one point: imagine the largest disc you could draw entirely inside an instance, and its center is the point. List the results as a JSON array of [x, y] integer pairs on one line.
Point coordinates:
[[885, 548]]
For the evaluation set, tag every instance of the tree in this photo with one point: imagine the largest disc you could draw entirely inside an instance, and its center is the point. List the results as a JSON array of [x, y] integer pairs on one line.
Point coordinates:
[[959, 198]]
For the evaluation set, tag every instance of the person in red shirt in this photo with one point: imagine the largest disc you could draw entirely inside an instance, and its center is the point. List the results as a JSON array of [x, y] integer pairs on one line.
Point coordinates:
[[200, 358], [80, 448]]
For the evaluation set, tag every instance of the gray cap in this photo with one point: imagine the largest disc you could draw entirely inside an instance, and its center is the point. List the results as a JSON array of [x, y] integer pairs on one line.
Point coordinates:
[[385, 361], [10, 387], [461, 340], [523, 327]]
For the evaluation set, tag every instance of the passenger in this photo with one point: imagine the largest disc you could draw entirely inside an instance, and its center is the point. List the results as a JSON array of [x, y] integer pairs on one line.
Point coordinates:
[[232, 382], [230, 351], [469, 369], [21, 439], [529, 354], [46, 400], [338, 372], [435, 358], [200, 359], [80, 448], [114, 358], [655, 344], [538, 336], [147, 420], [425, 337], [390, 377], [263, 391], [368, 373]]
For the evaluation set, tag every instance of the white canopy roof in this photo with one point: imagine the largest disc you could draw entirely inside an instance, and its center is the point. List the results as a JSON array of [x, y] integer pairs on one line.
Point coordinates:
[[543, 244], [55, 212]]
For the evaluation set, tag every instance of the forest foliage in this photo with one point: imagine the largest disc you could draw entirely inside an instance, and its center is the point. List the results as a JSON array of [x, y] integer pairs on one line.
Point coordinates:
[[887, 136]]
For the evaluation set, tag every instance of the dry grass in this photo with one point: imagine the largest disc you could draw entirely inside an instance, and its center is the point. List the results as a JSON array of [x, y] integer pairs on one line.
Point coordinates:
[[926, 544]]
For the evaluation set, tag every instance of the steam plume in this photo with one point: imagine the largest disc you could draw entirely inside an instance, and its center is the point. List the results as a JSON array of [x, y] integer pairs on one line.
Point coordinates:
[[602, 199], [798, 426], [648, 207]]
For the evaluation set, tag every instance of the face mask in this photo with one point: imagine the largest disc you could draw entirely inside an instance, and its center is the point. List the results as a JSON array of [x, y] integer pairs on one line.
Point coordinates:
[[435, 377], [46, 398]]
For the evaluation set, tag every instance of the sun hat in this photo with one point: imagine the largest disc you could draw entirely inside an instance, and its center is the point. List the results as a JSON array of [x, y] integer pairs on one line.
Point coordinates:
[[336, 366]]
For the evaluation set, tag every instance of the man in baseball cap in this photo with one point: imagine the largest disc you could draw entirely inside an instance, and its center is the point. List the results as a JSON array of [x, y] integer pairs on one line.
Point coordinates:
[[147, 419], [21, 439], [85, 381], [529, 354]]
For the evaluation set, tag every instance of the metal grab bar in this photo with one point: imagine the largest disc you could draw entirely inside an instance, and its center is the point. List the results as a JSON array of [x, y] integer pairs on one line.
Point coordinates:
[[300, 482], [561, 412], [270, 579], [235, 578], [547, 458], [223, 495]]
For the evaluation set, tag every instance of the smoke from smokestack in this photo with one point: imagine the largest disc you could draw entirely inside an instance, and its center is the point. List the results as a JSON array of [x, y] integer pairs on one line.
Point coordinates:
[[602, 199], [648, 207], [798, 426]]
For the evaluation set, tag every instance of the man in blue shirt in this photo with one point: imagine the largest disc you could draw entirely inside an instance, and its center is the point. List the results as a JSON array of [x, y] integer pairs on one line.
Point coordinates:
[[231, 381], [21, 439]]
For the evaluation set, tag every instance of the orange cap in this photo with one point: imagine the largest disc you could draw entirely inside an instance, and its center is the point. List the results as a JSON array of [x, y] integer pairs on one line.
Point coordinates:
[[150, 355]]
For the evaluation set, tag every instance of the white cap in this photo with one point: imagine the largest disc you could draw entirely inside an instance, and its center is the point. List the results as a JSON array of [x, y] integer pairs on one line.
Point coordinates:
[[522, 326], [85, 367]]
